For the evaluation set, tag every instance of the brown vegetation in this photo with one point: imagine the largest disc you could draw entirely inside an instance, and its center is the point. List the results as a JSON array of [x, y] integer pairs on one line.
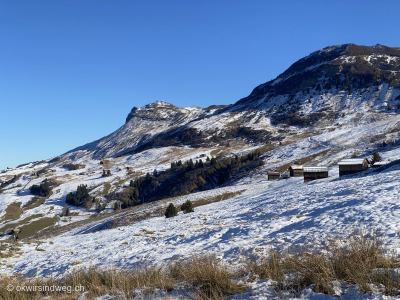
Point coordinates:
[[359, 260]]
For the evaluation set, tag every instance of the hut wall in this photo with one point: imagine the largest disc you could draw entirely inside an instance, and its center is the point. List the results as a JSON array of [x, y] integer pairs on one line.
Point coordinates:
[[296, 172], [273, 177], [308, 176], [351, 169]]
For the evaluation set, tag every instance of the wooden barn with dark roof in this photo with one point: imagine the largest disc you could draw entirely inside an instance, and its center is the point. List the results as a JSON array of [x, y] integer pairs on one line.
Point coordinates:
[[352, 165], [296, 171], [313, 173], [273, 175]]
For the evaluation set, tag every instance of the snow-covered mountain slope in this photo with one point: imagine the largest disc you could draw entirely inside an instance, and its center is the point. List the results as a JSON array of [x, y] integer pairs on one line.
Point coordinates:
[[345, 85], [141, 125]]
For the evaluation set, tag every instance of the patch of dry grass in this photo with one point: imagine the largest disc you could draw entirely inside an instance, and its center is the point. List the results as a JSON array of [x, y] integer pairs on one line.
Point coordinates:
[[359, 259], [217, 198], [205, 276], [13, 211]]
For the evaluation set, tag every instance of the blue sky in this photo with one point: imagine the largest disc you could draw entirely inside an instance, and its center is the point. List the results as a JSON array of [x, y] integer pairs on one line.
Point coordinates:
[[72, 70]]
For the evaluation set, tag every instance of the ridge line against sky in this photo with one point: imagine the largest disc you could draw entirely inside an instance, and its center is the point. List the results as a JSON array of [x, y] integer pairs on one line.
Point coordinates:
[[72, 70]]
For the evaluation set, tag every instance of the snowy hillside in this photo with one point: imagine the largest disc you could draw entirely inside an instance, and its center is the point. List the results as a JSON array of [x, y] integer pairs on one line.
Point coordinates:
[[266, 215], [339, 102]]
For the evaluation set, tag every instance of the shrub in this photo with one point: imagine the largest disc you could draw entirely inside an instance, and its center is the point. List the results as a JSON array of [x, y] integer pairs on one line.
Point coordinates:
[[171, 211], [72, 167], [187, 207], [41, 190], [80, 198]]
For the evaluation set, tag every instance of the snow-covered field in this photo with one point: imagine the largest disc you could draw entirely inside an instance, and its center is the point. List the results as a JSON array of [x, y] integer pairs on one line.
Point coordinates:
[[267, 215]]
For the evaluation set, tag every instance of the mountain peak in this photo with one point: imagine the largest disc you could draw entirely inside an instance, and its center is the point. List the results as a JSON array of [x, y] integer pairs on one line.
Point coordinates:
[[332, 68], [159, 110]]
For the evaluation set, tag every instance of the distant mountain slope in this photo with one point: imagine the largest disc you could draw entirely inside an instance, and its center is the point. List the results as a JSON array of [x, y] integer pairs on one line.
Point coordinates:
[[338, 86], [141, 125]]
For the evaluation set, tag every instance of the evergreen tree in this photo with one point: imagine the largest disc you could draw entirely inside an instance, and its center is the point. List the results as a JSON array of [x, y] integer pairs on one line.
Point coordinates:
[[155, 173], [171, 211], [135, 194], [155, 184], [187, 207], [201, 180], [108, 173], [376, 156], [43, 189], [80, 197], [201, 164]]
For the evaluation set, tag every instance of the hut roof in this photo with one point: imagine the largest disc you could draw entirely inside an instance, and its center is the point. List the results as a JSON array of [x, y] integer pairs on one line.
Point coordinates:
[[351, 161], [297, 167], [274, 173], [381, 163], [315, 169]]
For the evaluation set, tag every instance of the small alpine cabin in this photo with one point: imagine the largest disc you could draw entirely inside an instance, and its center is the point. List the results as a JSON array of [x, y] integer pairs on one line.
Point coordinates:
[[296, 171], [352, 165], [273, 175], [313, 173]]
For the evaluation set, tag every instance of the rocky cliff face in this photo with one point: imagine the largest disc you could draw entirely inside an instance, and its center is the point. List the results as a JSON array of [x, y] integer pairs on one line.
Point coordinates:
[[141, 125]]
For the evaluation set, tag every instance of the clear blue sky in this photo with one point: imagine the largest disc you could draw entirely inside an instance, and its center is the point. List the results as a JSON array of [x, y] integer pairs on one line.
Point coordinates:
[[70, 71]]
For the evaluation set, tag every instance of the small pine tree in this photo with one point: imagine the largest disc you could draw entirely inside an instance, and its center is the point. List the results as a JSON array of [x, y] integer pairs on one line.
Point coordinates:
[[67, 212], [155, 173], [376, 156], [108, 173], [171, 211], [201, 164], [187, 207]]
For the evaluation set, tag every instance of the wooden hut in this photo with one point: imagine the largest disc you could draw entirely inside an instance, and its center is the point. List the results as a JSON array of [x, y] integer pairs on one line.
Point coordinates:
[[273, 175], [312, 173], [352, 165], [296, 171]]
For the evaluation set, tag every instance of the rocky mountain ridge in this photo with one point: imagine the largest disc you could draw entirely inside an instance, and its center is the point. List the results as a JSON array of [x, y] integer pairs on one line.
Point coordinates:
[[345, 85]]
